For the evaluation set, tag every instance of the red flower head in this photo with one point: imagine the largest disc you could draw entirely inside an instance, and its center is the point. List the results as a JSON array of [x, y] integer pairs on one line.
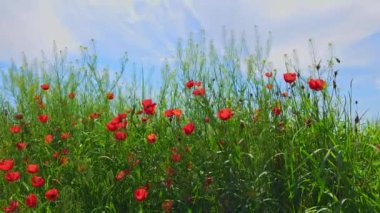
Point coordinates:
[[94, 115], [19, 116], [111, 126], [151, 138], [141, 194], [168, 113], [12, 207], [121, 174], [168, 183], [110, 96], [21, 145], [269, 86], [72, 95], [167, 205], [65, 135], [177, 112], [37, 181], [6, 165], [32, 168], [55, 155], [65, 151], [15, 129], [276, 110], [268, 74], [12, 176], [317, 84], [31, 200], [149, 106], [290, 77], [198, 84], [188, 128], [176, 157], [49, 138], [189, 84], [51, 194], [43, 118], [207, 119], [45, 86], [199, 92], [120, 136], [144, 119], [225, 114]]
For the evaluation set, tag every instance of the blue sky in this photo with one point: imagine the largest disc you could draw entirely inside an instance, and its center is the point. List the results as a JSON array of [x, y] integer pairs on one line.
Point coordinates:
[[149, 30]]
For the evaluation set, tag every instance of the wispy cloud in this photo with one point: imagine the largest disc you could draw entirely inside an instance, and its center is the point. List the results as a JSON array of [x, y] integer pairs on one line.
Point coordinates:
[[30, 27]]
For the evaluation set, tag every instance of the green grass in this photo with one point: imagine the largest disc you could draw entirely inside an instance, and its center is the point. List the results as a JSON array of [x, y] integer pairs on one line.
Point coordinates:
[[312, 157]]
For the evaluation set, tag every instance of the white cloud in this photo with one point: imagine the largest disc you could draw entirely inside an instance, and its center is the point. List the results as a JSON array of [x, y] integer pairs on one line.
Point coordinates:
[[30, 27], [293, 22]]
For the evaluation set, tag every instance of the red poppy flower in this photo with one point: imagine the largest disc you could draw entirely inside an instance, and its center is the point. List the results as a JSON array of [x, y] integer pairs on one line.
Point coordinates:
[[12, 207], [6, 165], [268, 74], [72, 95], [15, 129], [122, 124], [31, 200], [188, 128], [64, 160], [12, 176], [207, 119], [43, 118], [51, 194], [170, 171], [225, 114], [120, 136], [19, 116], [32, 168], [168, 183], [151, 138], [37, 181], [189, 84], [141, 194], [65, 151], [112, 126], [176, 157], [110, 96], [55, 155], [45, 86], [144, 119], [65, 135], [21, 145], [167, 205], [269, 86], [290, 77], [121, 174], [199, 92], [317, 84], [276, 110], [168, 113], [149, 106], [94, 115], [49, 138]]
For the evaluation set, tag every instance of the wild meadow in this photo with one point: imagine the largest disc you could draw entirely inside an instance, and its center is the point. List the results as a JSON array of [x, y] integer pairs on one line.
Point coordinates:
[[224, 131]]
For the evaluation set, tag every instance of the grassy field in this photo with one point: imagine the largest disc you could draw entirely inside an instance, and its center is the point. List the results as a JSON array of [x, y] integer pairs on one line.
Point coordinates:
[[225, 132]]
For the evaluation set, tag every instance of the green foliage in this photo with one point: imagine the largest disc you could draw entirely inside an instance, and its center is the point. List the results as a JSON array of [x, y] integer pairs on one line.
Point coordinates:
[[312, 157]]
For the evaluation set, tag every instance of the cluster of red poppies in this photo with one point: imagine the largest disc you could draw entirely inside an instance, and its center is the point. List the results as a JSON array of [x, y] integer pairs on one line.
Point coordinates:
[[31, 200]]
